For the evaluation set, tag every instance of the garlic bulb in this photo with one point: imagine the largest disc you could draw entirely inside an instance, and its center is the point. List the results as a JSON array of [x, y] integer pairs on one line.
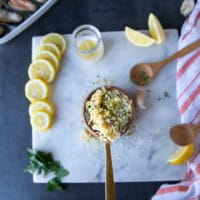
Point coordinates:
[[187, 7], [140, 99]]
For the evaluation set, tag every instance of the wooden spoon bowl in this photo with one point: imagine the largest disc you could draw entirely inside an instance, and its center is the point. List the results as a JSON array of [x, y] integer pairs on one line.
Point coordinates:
[[95, 133], [184, 134]]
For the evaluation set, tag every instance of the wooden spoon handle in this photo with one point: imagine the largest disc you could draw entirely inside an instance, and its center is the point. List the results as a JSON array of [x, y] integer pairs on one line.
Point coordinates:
[[109, 186], [182, 52]]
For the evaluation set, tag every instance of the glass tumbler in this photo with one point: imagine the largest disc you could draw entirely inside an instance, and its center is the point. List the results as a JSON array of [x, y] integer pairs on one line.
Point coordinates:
[[88, 43]]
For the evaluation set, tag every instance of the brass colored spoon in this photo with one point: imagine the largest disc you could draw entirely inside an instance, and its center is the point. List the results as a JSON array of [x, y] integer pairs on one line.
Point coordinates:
[[184, 134], [143, 73], [109, 184]]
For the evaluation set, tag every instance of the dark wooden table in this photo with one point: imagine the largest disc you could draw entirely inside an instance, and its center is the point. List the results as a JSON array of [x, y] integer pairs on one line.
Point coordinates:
[[15, 56]]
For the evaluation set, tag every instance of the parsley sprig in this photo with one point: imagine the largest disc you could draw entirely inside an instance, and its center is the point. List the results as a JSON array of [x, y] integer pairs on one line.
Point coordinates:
[[43, 163]]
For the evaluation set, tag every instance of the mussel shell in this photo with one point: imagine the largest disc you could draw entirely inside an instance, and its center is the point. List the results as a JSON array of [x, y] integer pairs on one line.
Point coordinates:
[[10, 17], [2, 30]]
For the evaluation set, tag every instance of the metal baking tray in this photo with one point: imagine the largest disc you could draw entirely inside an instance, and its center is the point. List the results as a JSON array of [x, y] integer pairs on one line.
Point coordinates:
[[27, 22]]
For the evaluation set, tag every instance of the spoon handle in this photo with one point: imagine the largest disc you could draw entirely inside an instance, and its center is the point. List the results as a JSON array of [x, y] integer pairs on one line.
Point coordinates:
[[109, 186], [182, 52]]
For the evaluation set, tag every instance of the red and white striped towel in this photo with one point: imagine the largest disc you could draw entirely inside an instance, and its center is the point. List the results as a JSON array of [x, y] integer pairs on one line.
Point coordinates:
[[188, 98]]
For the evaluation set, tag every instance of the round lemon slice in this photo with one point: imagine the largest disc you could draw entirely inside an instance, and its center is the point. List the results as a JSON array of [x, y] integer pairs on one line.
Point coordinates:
[[138, 38], [56, 39], [156, 29], [181, 155], [42, 69], [41, 105], [41, 120], [36, 89], [49, 56], [50, 47]]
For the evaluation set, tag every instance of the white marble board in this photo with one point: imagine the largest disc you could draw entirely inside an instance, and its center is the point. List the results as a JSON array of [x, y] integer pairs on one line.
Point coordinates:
[[140, 156]]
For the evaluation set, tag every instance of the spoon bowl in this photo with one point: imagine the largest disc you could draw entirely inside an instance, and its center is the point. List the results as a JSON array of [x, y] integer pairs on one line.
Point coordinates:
[[142, 74], [184, 134], [95, 133]]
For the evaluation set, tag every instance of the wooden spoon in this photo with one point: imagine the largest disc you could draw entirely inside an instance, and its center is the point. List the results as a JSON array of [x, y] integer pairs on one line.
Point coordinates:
[[109, 184], [184, 134], [143, 73]]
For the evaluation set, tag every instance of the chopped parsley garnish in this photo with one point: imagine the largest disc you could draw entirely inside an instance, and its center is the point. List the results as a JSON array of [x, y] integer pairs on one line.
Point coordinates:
[[144, 78], [166, 94]]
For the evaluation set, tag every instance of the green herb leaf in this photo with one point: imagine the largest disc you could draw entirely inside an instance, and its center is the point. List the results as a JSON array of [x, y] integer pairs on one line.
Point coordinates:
[[54, 184], [43, 163]]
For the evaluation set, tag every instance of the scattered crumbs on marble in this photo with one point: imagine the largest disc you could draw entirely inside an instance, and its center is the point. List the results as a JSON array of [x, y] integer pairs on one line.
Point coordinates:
[[87, 138], [129, 133], [135, 126], [135, 140], [157, 130], [100, 80], [118, 157], [121, 144], [169, 127]]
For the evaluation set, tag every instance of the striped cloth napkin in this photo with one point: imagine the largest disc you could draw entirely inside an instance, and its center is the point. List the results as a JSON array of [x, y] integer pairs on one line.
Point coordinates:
[[188, 98]]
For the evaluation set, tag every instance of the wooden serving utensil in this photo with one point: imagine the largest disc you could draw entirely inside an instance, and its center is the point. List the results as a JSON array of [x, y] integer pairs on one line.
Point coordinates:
[[109, 183], [143, 73], [184, 134]]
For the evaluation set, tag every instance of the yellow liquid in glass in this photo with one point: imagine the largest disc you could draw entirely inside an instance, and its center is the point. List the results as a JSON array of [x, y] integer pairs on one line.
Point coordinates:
[[87, 45]]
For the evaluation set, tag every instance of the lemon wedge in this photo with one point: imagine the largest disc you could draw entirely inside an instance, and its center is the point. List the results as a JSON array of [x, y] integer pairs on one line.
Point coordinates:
[[42, 69], [56, 39], [36, 89], [49, 56], [41, 105], [50, 47], [156, 29], [138, 38], [181, 155], [41, 120]]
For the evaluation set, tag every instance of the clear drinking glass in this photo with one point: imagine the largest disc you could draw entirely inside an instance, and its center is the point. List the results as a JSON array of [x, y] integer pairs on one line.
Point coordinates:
[[88, 43]]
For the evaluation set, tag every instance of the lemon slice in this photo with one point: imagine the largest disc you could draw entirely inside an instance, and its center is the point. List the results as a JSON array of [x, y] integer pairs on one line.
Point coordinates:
[[42, 69], [36, 89], [41, 120], [42, 105], [50, 47], [138, 38], [86, 45], [56, 39], [49, 56], [156, 29], [181, 155]]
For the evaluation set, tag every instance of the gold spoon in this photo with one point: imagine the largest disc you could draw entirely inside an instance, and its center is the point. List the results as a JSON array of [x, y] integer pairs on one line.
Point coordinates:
[[109, 184], [143, 73], [184, 134]]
